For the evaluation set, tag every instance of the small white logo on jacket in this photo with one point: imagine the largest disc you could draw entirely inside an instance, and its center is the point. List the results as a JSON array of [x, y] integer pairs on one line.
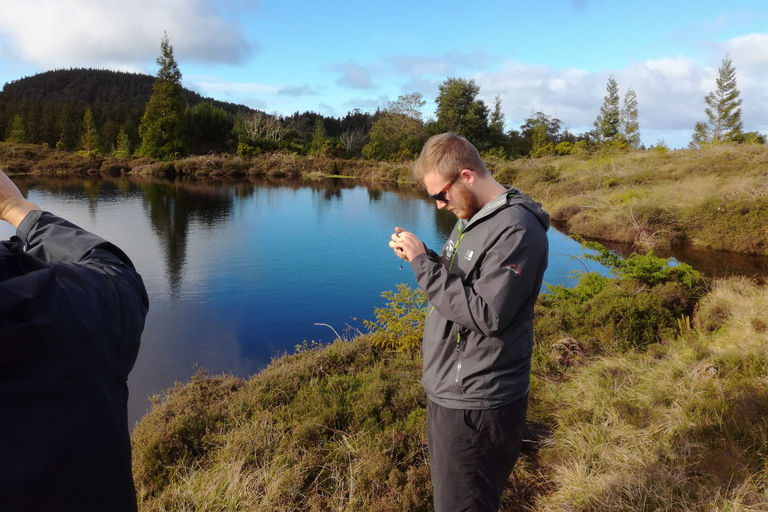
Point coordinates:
[[449, 248]]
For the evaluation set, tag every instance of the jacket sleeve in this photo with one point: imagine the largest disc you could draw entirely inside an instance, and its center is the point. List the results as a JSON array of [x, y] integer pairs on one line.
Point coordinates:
[[510, 270], [97, 277]]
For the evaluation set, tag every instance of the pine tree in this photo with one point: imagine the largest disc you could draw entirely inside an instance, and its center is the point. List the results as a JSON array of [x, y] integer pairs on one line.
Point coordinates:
[[123, 148], [496, 136], [89, 141], [630, 128], [723, 112], [607, 123], [163, 129], [18, 134], [318, 138], [701, 135]]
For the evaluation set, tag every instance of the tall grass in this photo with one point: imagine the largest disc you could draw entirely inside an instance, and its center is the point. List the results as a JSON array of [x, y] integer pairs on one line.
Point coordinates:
[[713, 197], [335, 428], [681, 427]]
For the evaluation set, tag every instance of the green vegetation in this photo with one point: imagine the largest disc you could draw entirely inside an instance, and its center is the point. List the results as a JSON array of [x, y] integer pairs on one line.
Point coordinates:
[[164, 121], [341, 427], [607, 124], [715, 197], [400, 323], [649, 386], [723, 112], [677, 427], [641, 305], [163, 127]]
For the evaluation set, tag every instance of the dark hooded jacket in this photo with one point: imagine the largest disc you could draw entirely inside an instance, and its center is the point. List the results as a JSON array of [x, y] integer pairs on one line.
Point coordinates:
[[482, 288], [72, 310]]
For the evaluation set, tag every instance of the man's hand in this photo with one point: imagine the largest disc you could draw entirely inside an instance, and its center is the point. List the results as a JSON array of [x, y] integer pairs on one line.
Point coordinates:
[[13, 206], [406, 245]]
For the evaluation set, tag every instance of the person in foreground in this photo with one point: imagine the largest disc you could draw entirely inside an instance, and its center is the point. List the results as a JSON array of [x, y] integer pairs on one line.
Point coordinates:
[[478, 333], [72, 310]]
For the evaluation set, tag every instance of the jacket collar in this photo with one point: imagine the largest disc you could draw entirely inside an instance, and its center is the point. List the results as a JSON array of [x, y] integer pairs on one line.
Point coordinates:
[[511, 197]]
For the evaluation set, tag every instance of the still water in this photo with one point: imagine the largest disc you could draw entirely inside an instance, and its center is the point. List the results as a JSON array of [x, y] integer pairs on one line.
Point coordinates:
[[240, 272]]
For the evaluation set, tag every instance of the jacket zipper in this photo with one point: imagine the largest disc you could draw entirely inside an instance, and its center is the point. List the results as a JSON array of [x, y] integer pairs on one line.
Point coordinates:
[[459, 355], [456, 249], [459, 358]]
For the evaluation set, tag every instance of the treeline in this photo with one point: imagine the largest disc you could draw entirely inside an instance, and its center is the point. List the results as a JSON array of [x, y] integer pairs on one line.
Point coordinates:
[[49, 108], [121, 114]]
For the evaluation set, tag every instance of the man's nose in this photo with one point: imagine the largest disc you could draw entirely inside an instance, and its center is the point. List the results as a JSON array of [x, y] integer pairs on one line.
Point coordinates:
[[441, 204]]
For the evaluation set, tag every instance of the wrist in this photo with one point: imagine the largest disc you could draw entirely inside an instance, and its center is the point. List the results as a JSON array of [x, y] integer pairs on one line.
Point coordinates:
[[16, 213]]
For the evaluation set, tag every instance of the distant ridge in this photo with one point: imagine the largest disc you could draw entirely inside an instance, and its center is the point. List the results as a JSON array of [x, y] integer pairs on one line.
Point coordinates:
[[94, 86], [52, 104]]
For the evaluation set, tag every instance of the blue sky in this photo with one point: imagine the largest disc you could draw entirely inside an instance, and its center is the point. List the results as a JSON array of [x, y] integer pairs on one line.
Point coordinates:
[[330, 57]]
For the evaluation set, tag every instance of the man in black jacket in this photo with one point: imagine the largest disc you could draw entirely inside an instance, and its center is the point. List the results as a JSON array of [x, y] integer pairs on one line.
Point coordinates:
[[478, 333], [72, 310]]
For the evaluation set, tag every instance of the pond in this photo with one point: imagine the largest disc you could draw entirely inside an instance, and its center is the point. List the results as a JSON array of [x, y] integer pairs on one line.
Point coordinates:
[[240, 272]]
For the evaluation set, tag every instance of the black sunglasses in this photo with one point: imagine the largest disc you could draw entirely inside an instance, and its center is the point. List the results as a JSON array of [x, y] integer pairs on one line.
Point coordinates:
[[440, 196]]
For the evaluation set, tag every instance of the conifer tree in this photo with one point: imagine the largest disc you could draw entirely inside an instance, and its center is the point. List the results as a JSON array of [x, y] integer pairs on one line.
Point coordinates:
[[723, 112], [89, 141], [163, 129], [630, 128], [123, 148], [607, 123], [701, 135], [496, 127], [18, 134], [318, 138]]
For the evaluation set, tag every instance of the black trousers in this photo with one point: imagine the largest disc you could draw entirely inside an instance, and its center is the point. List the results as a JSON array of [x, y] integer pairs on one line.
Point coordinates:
[[472, 453]]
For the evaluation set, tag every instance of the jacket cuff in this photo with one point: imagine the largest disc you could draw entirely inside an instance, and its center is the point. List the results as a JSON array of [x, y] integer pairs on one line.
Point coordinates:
[[27, 224]]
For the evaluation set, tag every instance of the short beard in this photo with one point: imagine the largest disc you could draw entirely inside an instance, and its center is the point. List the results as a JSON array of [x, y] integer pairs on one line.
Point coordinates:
[[470, 204]]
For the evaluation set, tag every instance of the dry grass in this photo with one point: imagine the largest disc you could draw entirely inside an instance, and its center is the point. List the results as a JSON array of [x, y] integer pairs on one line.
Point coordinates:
[[678, 428], [714, 197]]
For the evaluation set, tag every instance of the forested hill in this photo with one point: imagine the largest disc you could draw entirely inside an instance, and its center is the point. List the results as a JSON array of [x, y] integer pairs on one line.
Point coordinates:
[[53, 104]]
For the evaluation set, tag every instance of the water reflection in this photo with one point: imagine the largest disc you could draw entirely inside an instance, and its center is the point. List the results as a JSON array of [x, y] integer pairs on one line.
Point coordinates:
[[173, 206], [711, 263]]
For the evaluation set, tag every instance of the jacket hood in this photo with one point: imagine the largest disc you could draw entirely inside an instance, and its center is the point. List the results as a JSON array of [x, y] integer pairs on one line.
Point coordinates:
[[513, 197]]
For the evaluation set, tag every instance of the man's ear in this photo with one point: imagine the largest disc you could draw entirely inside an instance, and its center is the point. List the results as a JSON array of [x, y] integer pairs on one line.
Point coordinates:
[[468, 176]]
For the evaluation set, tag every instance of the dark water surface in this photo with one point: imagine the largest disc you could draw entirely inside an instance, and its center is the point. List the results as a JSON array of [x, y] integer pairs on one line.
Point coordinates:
[[240, 272]]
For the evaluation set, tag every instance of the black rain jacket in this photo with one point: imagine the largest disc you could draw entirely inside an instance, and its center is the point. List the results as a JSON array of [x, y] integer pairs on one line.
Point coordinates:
[[72, 310]]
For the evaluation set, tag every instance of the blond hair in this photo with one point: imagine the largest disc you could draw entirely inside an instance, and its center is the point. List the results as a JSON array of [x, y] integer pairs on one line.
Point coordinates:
[[448, 154]]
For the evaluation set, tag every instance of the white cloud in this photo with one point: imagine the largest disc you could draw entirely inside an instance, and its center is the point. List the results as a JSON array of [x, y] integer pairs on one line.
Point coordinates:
[[352, 75], [670, 91], [118, 33], [446, 65], [297, 90], [214, 86]]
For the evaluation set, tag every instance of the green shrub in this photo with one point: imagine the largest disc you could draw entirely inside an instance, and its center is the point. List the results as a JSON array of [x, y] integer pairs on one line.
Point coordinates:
[[564, 148], [641, 304], [400, 324]]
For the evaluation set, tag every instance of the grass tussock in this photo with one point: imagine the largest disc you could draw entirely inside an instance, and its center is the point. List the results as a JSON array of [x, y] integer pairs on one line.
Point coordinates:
[[334, 428], [678, 427], [714, 197]]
